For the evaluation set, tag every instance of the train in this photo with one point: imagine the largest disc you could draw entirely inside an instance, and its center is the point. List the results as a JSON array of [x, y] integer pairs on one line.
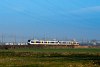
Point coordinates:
[[52, 42]]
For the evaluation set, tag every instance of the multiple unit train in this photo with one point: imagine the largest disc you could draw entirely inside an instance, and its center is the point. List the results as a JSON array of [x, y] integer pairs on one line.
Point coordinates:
[[45, 42]]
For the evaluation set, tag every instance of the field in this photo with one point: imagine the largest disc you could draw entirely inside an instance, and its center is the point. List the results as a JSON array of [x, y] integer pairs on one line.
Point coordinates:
[[50, 57]]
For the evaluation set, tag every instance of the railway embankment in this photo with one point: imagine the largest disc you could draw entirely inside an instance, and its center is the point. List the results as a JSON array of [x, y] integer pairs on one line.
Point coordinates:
[[45, 46]]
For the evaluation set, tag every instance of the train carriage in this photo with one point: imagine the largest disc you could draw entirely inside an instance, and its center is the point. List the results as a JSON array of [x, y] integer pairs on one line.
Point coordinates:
[[45, 42]]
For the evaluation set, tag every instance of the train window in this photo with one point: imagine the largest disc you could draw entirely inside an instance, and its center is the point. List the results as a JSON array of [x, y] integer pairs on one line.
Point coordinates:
[[52, 42], [45, 42], [48, 42], [59, 42], [64, 42], [74, 43], [38, 42], [32, 41], [69, 43]]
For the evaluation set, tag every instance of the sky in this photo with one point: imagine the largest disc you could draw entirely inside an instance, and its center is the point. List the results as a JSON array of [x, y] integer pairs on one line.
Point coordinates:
[[58, 19]]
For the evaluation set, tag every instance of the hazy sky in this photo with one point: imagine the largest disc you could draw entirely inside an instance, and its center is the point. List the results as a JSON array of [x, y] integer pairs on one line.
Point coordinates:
[[60, 19]]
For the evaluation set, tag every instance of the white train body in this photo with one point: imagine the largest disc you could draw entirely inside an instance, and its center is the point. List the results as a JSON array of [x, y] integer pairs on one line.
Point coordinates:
[[43, 42]]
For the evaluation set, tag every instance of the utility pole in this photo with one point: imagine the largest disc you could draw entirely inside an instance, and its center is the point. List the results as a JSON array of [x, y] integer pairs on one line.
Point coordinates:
[[2, 38], [15, 38], [45, 36]]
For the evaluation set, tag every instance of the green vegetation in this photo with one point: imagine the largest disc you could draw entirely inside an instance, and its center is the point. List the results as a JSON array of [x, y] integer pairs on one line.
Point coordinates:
[[50, 57]]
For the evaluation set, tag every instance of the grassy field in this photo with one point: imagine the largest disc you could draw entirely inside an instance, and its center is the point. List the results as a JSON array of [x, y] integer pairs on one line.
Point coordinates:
[[50, 57]]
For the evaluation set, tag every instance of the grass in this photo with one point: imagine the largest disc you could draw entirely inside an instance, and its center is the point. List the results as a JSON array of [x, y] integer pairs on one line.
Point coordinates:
[[65, 57], [41, 62], [90, 50]]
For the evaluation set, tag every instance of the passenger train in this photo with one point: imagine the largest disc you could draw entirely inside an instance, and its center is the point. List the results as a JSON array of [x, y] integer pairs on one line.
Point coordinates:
[[55, 42]]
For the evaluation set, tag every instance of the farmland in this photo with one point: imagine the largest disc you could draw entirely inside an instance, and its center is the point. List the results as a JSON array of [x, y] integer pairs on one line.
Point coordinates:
[[50, 57]]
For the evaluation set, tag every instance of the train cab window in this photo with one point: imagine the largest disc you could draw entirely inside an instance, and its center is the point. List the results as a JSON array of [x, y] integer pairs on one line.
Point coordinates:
[[29, 40], [77, 43]]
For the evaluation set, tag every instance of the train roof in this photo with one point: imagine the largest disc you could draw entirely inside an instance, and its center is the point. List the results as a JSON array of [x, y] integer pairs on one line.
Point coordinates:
[[54, 40]]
